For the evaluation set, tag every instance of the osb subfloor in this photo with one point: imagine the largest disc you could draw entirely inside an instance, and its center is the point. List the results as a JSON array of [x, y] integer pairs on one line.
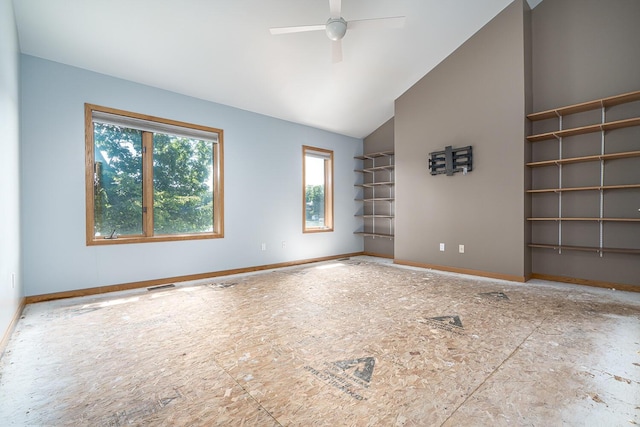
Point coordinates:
[[355, 342]]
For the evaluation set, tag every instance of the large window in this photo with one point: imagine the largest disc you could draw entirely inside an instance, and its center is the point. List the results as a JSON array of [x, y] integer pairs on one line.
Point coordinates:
[[151, 179], [317, 189]]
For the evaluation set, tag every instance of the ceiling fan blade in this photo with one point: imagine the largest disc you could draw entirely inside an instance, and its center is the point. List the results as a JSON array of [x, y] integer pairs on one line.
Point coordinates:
[[335, 8], [390, 22], [299, 29], [336, 51]]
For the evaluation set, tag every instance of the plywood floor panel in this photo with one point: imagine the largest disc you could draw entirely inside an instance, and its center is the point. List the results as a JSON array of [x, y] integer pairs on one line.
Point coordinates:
[[358, 342]]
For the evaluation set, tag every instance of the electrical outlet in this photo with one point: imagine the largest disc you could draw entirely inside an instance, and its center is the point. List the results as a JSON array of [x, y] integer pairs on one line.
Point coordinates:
[[461, 249], [441, 247], [264, 247], [284, 244], [13, 280]]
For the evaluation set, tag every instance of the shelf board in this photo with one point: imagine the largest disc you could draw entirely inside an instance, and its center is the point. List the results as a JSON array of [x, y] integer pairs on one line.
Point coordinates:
[[374, 184], [376, 169], [585, 248], [586, 106], [367, 234], [376, 199], [374, 216], [594, 158], [586, 219], [603, 187], [375, 155], [618, 124]]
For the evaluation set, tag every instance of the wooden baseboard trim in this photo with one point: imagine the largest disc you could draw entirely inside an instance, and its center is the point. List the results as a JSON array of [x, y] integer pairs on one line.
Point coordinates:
[[155, 282], [586, 282], [470, 272], [12, 325], [378, 255]]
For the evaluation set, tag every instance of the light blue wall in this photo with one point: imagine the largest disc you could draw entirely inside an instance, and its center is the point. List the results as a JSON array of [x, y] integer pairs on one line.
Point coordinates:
[[262, 186], [9, 167]]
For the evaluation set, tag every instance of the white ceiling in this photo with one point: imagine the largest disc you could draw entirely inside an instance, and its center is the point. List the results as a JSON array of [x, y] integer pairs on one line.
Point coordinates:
[[222, 51]]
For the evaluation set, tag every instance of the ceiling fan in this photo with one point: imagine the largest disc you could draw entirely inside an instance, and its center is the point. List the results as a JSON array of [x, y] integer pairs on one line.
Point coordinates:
[[336, 27]]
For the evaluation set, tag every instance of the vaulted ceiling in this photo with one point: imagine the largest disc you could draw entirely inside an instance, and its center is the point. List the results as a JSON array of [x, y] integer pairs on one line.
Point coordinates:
[[222, 51]]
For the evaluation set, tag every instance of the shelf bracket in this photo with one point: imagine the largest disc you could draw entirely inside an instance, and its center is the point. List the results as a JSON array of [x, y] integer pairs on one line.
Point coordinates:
[[602, 151], [560, 186]]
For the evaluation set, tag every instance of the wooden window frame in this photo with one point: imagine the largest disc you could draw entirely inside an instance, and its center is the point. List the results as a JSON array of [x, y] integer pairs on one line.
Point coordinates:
[[328, 185], [147, 186]]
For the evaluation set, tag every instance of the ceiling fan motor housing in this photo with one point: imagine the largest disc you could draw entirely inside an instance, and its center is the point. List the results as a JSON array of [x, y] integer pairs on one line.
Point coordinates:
[[336, 28]]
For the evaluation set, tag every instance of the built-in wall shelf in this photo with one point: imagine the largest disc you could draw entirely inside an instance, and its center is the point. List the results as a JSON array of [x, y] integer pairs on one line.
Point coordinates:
[[371, 156], [584, 248], [377, 194], [375, 184], [586, 106], [619, 205], [376, 199], [585, 219], [618, 124], [594, 158], [597, 187], [376, 169], [367, 234]]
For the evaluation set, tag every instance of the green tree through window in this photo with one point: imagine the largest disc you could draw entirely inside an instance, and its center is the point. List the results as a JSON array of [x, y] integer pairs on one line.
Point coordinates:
[[315, 205], [117, 180], [183, 184]]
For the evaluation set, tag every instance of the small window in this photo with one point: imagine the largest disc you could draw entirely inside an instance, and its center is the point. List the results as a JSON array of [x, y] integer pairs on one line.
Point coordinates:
[[317, 188], [151, 179]]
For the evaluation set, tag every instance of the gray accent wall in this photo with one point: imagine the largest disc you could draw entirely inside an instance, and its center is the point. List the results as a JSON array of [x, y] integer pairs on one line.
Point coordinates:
[[10, 250], [262, 186], [474, 97], [585, 50]]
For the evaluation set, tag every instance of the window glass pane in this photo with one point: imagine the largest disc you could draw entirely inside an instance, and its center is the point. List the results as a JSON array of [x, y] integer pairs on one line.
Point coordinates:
[[314, 191], [183, 185], [117, 180]]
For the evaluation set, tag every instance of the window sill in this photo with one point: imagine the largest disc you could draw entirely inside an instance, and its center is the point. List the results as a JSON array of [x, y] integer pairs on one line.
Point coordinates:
[[317, 230], [139, 239]]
